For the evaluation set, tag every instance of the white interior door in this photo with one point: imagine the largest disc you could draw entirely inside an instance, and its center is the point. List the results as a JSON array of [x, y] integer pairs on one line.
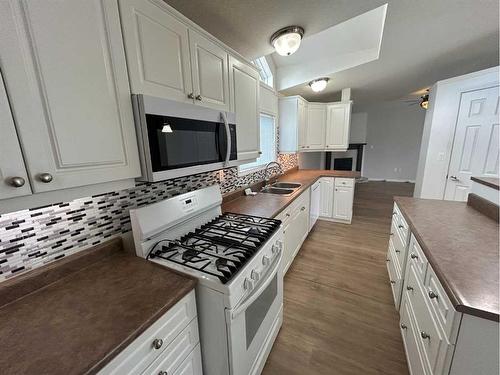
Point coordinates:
[[157, 47], [476, 144], [210, 72]]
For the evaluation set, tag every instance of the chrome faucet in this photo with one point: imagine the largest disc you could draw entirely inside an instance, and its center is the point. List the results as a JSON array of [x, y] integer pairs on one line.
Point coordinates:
[[266, 180]]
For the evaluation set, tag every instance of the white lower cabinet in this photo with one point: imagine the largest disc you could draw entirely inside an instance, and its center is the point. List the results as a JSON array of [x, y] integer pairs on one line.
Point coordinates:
[[295, 220], [438, 339], [315, 204], [336, 199], [169, 346]]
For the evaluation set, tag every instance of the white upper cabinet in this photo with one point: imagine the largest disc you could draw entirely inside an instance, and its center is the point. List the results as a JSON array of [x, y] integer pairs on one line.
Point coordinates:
[[65, 72], [210, 72], [14, 180], [337, 126], [244, 88], [292, 121], [157, 47], [316, 124]]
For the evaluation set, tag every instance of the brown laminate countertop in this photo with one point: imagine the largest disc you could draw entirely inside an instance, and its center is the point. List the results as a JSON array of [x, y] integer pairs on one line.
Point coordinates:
[[77, 317], [270, 205], [462, 246], [491, 182]]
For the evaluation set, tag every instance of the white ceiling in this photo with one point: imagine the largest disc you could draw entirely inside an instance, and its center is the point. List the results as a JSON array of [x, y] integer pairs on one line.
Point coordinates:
[[424, 41]]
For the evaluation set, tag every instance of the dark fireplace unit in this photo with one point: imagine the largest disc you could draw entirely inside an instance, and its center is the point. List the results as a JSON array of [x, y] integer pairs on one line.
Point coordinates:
[[342, 164]]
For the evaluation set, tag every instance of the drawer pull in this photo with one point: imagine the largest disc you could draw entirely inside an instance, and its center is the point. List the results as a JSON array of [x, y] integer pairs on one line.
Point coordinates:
[[45, 177], [163, 373], [413, 256], [393, 282], [432, 294], [403, 326], [303, 208], [287, 215], [424, 335], [409, 287], [387, 260], [157, 343], [16, 182], [392, 234], [398, 251], [400, 226], [394, 213]]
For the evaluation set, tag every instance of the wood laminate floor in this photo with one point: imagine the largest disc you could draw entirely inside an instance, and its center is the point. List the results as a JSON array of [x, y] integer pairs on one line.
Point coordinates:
[[339, 315]]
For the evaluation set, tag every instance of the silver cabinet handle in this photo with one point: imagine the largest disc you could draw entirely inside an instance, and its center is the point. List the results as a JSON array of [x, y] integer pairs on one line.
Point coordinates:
[[198, 97], [287, 215], [400, 226], [157, 343], [398, 251], [432, 294], [303, 208], [403, 326], [16, 181], [454, 178], [190, 95], [387, 260], [393, 282], [45, 177], [392, 234], [409, 288], [163, 373], [413, 256], [394, 213], [424, 335]]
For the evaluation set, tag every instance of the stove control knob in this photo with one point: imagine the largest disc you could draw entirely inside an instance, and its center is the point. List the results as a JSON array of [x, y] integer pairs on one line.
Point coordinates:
[[247, 284], [274, 248], [266, 260], [255, 275]]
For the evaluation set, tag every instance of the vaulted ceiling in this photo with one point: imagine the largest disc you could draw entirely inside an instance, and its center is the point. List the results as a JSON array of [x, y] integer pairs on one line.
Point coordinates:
[[423, 41]]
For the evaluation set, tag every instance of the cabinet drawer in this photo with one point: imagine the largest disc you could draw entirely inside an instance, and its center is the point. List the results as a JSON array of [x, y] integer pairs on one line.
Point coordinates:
[[400, 222], [417, 258], [409, 333], [141, 353], [394, 275], [441, 305], [399, 249], [192, 364], [171, 358], [432, 340], [344, 182]]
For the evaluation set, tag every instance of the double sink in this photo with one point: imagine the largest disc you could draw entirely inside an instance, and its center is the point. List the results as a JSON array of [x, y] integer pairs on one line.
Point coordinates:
[[281, 188]]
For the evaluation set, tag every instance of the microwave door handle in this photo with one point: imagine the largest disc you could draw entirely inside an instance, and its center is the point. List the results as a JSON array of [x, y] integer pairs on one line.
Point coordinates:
[[263, 285], [228, 138]]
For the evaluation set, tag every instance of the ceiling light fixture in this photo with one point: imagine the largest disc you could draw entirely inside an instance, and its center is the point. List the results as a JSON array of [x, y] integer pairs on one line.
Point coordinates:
[[166, 128], [287, 40], [319, 84], [424, 102]]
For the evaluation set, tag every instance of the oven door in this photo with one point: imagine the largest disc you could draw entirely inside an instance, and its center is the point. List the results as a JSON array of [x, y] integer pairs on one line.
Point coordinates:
[[254, 322]]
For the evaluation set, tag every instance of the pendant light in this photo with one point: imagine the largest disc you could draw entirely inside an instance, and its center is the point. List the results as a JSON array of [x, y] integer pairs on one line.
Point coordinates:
[[319, 84], [287, 40]]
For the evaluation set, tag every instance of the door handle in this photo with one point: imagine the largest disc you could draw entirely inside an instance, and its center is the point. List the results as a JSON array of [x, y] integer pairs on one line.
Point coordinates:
[[454, 178]]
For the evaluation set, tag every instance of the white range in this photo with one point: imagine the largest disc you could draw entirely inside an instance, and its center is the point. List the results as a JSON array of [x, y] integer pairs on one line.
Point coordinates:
[[236, 259]]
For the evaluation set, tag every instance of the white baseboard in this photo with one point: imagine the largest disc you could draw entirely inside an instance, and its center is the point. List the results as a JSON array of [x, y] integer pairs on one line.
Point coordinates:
[[390, 180]]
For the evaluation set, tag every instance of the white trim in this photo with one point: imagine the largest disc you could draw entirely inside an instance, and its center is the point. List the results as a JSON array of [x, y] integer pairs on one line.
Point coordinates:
[[391, 180]]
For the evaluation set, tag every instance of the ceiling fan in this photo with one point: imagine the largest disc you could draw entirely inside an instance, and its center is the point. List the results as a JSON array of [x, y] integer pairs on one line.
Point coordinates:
[[423, 100]]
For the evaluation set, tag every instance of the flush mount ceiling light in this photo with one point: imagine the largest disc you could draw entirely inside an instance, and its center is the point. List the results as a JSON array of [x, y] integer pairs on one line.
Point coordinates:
[[424, 102], [319, 84], [166, 128], [287, 40]]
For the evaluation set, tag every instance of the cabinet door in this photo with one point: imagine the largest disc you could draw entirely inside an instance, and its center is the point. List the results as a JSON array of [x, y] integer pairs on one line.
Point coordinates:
[[157, 47], [295, 233], [337, 128], [302, 123], [326, 197], [244, 88], [65, 71], [315, 204], [342, 203], [13, 177], [210, 72], [316, 123]]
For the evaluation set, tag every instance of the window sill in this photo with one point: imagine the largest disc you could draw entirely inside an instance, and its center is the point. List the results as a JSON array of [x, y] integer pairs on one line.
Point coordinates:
[[247, 171]]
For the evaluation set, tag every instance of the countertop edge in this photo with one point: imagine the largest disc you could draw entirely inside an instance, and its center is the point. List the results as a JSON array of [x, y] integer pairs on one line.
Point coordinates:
[[455, 298]]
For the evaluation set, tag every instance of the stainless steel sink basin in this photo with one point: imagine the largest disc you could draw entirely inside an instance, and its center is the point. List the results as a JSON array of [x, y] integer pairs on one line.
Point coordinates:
[[276, 190], [287, 185]]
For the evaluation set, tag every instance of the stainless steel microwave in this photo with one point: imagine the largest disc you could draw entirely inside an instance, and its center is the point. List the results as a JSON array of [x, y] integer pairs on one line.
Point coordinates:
[[180, 139]]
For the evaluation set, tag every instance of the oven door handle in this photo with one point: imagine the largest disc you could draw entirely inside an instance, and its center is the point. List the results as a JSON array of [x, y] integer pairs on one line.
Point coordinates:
[[228, 138], [263, 285]]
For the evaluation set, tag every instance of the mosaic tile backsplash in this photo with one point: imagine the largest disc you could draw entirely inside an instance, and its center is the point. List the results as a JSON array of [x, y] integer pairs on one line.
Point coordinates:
[[34, 237]]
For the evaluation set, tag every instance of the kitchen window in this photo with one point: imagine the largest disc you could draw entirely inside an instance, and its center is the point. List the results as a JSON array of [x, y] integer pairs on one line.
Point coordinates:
[[267, 145], [266, 74]]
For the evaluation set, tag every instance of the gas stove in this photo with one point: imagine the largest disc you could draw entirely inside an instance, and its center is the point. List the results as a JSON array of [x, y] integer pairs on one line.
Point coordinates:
[[237, 261], [221, 247]]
